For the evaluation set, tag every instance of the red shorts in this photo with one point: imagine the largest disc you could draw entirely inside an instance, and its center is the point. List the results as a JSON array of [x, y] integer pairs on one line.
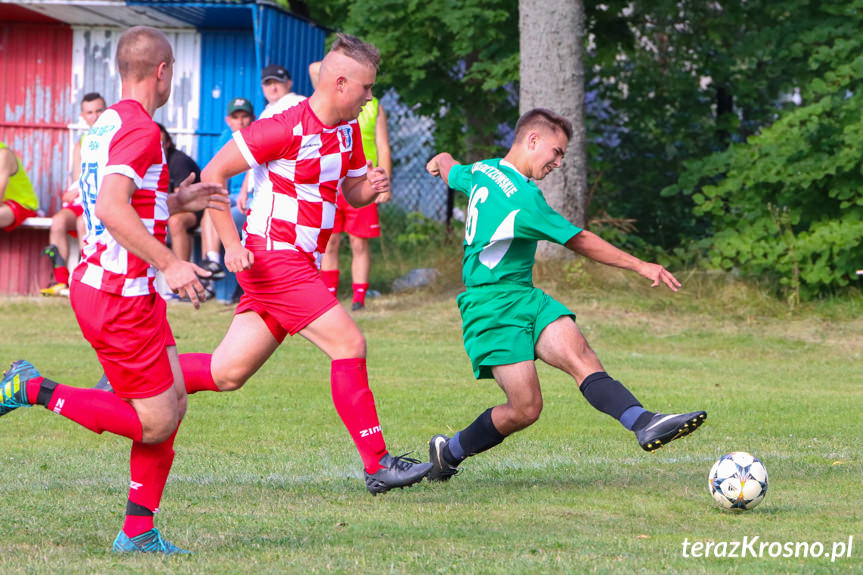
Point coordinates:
[[19, 212], [130, 335], [358, 222], [76, 209], [285, 289]]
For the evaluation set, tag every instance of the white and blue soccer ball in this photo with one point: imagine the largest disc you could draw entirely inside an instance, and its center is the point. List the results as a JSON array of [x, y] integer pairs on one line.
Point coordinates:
[[738, 481]]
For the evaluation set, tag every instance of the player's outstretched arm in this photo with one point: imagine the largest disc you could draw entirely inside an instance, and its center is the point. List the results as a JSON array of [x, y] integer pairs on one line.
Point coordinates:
[[594, 247], [194, 197], [114, 210], [440, 165]]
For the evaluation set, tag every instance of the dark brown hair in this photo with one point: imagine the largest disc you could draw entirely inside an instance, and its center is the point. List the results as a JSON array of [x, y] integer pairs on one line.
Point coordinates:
[[542, 118]]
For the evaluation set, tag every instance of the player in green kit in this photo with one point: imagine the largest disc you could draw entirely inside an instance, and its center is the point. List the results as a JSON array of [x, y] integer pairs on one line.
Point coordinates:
[[507, 322]]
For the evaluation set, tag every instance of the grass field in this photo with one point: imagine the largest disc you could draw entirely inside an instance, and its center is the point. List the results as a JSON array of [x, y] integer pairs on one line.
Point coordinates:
[[266, 479]]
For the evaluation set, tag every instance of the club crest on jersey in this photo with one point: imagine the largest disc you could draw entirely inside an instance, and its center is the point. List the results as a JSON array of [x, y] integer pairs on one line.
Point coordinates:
[[345, 137]]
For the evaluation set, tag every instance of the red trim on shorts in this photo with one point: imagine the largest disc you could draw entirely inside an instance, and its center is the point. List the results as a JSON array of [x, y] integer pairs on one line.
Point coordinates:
[[76, 209], [19, 212]]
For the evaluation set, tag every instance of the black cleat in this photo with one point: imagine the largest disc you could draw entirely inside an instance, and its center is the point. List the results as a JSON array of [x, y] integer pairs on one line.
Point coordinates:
[[216, 270], [664, 428], [209, 288], [358, 306], [398, 471], [53, 253], [441, 469], [103, 384]]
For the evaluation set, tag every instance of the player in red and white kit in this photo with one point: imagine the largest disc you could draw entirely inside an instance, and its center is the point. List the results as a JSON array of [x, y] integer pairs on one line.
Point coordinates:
[[124, 185], [299, 157]]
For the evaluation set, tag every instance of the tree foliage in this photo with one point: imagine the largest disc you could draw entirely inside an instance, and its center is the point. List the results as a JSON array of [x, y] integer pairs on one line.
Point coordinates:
[[694, 136], [454, 60], [676, 80], [788, 202]]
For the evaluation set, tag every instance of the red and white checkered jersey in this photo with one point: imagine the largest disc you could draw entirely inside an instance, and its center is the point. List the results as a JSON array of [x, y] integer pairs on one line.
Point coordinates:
[[124, 140], [287, 101], [299, 163]]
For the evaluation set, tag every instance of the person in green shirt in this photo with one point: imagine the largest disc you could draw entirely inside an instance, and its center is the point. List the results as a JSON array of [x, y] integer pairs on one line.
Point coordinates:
[[18, 200], [507, 322]]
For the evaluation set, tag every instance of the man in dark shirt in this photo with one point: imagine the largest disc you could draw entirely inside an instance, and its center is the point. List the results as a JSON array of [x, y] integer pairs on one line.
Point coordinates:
[[180, 225]]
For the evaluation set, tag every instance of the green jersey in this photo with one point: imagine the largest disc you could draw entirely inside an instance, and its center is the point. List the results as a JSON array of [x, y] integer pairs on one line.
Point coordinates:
[[507, 214]]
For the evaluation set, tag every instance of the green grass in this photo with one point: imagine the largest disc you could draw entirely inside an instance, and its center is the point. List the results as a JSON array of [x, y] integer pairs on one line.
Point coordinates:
[[266, 479]]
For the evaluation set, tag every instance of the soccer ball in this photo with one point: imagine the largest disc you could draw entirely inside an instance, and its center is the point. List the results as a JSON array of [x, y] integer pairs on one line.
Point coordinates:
[[738, 481]]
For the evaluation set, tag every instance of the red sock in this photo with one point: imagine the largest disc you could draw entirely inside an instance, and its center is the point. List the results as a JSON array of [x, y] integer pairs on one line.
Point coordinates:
[[331, 280], [355, 404], [94, 409], [197, 373], [137, 524], [61, 275], [360, 293], [149, 466]]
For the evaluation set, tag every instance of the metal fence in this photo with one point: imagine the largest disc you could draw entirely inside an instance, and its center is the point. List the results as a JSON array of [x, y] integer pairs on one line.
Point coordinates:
[[412, 146]]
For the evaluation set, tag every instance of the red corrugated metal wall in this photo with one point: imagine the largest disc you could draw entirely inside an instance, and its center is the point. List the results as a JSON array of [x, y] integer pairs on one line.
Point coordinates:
[[35, 106], [23, 270], [35, 110]]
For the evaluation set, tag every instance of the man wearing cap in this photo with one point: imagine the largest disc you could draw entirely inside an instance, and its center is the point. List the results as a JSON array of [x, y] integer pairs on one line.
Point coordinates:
[[276, 83], [239, 115]]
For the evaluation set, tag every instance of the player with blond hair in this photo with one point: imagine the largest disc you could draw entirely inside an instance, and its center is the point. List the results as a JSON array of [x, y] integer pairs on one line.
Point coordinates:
[[300, 157]]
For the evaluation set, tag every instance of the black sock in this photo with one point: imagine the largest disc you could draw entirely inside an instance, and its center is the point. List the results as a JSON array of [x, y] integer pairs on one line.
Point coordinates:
[[46, 392], [479, 436], [607, 395], [137, 510]]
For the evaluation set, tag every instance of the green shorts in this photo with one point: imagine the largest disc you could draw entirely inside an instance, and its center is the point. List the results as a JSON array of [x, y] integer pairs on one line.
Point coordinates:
[[502, 322]]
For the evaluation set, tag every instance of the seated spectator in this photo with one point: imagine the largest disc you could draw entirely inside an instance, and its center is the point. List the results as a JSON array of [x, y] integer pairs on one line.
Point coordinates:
[[180, 168], [240, 114], [18, 200], [70, 218]]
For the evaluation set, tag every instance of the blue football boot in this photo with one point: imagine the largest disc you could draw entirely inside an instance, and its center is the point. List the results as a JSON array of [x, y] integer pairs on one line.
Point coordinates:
[[13, 386], [148, 542]]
